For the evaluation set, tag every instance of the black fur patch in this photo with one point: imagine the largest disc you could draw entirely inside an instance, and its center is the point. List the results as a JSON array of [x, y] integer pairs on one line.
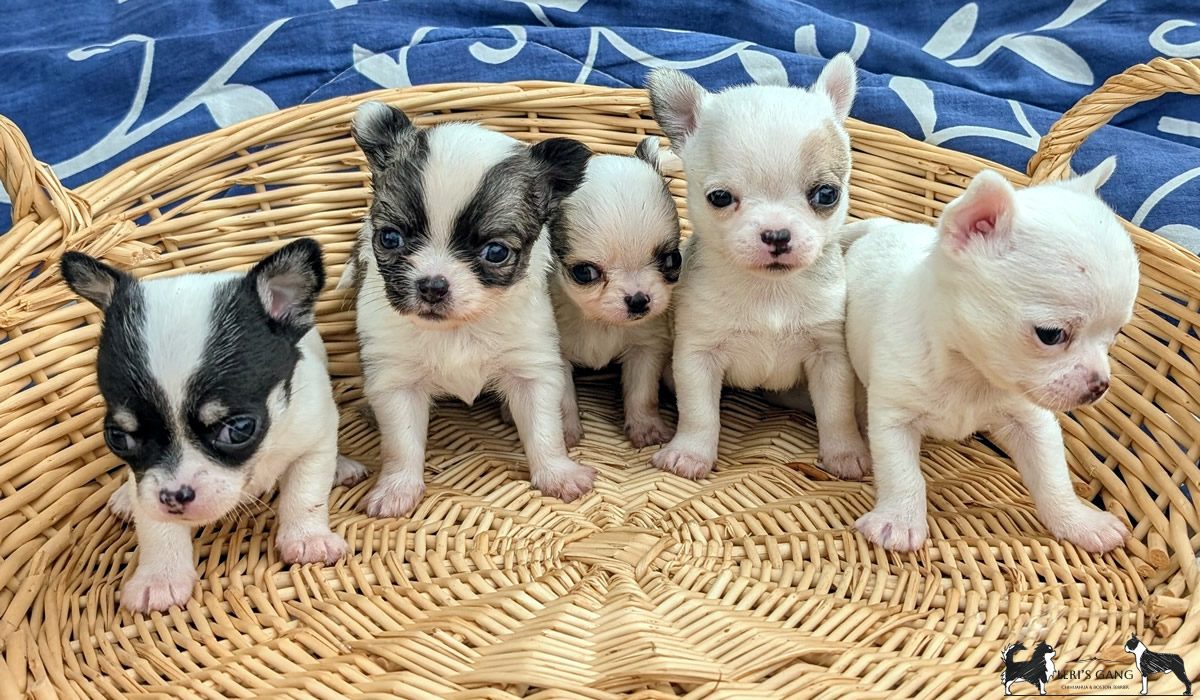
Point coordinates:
[[127, 385]]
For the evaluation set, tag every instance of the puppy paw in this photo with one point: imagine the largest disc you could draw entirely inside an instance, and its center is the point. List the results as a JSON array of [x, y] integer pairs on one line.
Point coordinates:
[[121, 501], [682, 461], [895, 532], [851, 465], [1093, 530], [348, 472], [643, 432], [394, 498], [301, 547], [149, 591], [572, 431], [564, 479]]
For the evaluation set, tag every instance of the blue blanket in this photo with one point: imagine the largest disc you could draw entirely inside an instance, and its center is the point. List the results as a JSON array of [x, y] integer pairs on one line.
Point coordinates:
[[96, 83]]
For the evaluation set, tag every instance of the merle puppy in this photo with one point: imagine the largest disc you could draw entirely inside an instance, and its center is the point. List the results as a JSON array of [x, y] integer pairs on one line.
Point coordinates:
[[216, 388], [452, 268]]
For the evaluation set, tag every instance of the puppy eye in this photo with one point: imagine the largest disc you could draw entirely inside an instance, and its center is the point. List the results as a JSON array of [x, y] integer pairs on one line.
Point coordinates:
[[389, 238], [671, 261], [1051, 336], [495, 252], [720, 198], [236, 431], [119, 441], [585, 273], [824, 196]]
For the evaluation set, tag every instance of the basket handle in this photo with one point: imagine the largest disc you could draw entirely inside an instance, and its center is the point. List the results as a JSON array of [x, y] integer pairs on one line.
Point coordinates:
[[1139, 83], [32, 186]]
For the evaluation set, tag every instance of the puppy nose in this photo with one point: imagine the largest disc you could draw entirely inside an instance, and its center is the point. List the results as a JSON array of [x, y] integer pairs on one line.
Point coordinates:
[[177, 497], [777, 237], [433, 289], [1097, 385], [637, 304]]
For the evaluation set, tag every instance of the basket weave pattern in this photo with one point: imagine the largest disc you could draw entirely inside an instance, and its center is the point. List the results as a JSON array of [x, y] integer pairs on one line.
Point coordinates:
[[750, 584]]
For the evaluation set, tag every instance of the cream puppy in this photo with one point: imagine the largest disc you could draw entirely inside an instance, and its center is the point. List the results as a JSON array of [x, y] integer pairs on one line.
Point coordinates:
[[761, 301], [993, 320], [452, 268], [616, 240]]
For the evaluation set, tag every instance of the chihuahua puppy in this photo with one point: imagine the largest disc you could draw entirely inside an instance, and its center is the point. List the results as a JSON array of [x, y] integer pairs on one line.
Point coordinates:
[[761, 301], [993, 320], [616, 240], [216, 388], [452, 268]]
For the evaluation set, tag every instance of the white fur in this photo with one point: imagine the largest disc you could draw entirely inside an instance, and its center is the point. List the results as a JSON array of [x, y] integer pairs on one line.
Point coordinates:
[[735, 322], [940, 332], [507, 343]]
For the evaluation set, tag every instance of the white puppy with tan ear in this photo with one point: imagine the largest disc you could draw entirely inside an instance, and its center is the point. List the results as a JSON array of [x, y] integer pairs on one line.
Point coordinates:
[[993, 320], [616, 240], [761, 301]]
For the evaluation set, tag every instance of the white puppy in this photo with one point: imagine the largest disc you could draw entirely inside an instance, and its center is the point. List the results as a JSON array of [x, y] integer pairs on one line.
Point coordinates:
[[761, 301], [452, 267], [1001, 315], [211, 406], [616, 240]]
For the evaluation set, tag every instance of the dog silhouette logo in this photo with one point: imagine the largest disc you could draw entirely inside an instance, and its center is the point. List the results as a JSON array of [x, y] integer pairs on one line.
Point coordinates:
[[1148, 662], [1036, 670]]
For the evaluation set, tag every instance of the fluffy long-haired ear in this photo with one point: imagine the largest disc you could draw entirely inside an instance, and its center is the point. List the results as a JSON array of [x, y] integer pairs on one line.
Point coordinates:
[[982, 213], [839, 81], [649, 151], [287, 283], [375, 128], [1094, 179], [92, 279], [676, 100], [563, 163]]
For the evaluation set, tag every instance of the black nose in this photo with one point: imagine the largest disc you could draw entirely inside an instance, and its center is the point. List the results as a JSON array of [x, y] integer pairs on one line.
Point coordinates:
[[182, 496], [637, 304], [433, 289], [778, 239]]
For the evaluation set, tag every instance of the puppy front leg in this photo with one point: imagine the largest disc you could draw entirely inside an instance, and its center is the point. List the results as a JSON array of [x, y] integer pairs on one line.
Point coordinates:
[[304, 536], [1034, 442], [403, 418], [165, 574], [572, 425], [693, 450], [900, 520], [641, 369], [536, 405], [831, 384]]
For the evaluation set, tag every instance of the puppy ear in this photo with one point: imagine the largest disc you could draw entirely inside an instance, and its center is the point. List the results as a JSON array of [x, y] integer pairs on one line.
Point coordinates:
[[92, 279], [375, 128], [676, 100], [648, 150], [1094, 179], [287, 283], [982, 212], [564, 163], [839, 81]]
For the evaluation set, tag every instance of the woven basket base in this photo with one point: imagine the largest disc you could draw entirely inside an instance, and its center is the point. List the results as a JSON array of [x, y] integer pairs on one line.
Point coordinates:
[[742, 584]]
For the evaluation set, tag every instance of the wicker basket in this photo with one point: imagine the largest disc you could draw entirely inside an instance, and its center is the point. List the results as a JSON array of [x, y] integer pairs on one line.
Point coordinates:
[[750, 584]]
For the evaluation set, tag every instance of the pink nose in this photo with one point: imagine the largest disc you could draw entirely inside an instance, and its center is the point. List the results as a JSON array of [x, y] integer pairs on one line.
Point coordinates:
[[1097, 386]]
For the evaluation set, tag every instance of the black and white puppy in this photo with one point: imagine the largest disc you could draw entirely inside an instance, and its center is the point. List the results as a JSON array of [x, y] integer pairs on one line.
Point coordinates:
[[761, 302], [216, 388], [616, 240], [1037, 670], [452, 267], [1150, 662]]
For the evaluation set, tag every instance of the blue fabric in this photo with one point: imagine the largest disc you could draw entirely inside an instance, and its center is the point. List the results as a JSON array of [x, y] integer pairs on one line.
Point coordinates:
[[96, 83]]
